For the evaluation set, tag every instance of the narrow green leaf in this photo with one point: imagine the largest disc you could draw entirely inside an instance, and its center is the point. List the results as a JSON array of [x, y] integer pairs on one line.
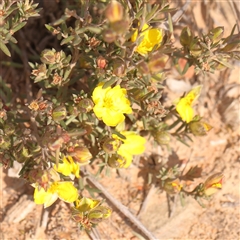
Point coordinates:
[[226, 64], [151, 14], [61, 20], [96, 30], [67, 40], [49, 27], [19, 26], [182, 141], [109, 83], [4, 48], [170, 23], [118, 134]]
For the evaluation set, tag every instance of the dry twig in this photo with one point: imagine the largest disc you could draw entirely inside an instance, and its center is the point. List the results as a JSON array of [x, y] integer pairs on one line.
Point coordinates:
[[121, 208]]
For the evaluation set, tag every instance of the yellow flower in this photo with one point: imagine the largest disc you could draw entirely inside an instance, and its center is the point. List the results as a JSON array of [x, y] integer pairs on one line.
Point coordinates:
[[213, 184], [132, 145], [88, 211], [111, 104], [150, 38], [68, 167], [184, 105], [63, 190], [86, 204], [172, 186]]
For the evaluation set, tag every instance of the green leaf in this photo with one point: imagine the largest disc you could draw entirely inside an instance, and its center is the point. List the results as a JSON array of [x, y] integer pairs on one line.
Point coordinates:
[[152, 13], [4, 48], [19, 26], [67, 40], [49, 27], [170, 23], [118, 134], [109, 83], [96, 30], [61, 20], [182, 141]]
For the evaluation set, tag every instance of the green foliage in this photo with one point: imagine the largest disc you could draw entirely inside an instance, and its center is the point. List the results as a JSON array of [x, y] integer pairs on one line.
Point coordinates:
[[97, 46], [13, 16]]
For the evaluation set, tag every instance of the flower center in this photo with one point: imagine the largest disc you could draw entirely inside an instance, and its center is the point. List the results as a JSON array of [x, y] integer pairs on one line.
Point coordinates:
[[53, 187], [108, 102]]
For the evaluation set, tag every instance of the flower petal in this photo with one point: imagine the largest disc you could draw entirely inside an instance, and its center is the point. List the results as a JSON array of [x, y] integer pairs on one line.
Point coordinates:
[[112, 118], [67, 192], [185, 110], [43, 197]]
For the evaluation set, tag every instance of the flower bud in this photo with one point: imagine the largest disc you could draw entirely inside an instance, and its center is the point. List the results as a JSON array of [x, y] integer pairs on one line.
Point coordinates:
[[101, 62], [81, 155], [172, 186], [216, 34], [114, 11], [116, 161], [199, 128], [186, 36], [40, 72], [59, 113], [93, 42], [111, 146], [213, 184], [195, 48], [48, 56], [85, 105], [162, 137], [57, 80]]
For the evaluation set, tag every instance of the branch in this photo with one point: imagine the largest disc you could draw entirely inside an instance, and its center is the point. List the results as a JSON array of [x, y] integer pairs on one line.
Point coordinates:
[[123, 209]]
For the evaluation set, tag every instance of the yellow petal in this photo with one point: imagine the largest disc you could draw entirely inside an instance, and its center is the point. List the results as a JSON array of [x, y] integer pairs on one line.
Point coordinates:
[[193, 95], [68, 167], [50, 199], [43, 197], [85, 204], [39, 195], [150, 39], [185, 110], [67, 192], [128, 158], [133, 144], [99, 93], [112, 118]]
